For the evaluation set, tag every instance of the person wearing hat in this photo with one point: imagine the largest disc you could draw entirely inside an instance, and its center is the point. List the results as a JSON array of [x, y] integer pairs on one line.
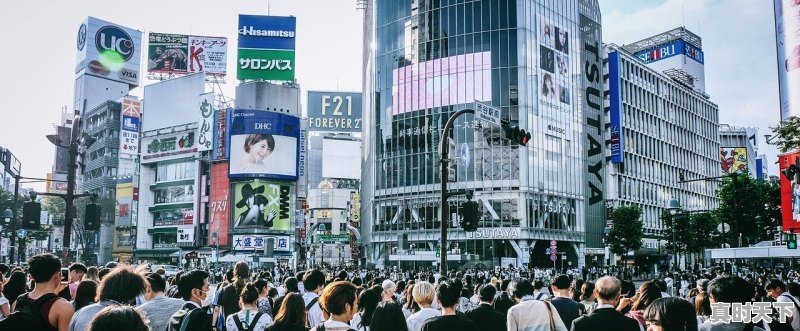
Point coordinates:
[[255, 203]]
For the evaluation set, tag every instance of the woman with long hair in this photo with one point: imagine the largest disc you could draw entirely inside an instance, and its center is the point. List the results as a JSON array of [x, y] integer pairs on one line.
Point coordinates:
[[249, 318], [292, 314], [93, 274], [587, 299], [264, 304], [575, 289], [5, 307], [229, 298], [85, 294], [367, 301], [702, 307], [411, 306], [670, 314], [647, 293], [14, 287], [388, 316]]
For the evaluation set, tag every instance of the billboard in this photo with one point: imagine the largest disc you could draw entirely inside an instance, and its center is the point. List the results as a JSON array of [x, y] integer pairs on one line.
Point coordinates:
[[123, 241], [555, 76], [251, 242], [334, 111], [109, 51], [733, 159], [442, 82], [790, 194], [168, 146], [670, 49], [615, 105], [181, 54], [129, 129], [218, 205], [341, 158], [263, 144], [788, 48], [205, 123], [263, 205], [266, 47]]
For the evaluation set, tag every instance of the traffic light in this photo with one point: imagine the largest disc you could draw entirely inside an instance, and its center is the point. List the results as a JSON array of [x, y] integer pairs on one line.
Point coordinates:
[[792, 173], [91, 219], [31, 215], [469, 216], [517, 135], [791, 241]]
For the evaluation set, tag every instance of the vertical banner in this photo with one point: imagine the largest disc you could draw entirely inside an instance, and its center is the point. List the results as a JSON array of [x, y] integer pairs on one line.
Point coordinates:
[[788, 48], [302, 179], [219, 206], [615, 105], [123, 242], [790, 194], [129, 129], [205, 125]]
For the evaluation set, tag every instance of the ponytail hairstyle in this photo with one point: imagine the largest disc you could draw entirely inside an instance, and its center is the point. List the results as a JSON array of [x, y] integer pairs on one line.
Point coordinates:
[[240, 276], [249, 294]]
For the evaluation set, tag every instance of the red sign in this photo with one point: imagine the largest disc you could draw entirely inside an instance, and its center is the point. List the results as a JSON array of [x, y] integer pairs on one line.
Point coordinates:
[[123, 210], [790, 194], [188, 216], [218, 205]]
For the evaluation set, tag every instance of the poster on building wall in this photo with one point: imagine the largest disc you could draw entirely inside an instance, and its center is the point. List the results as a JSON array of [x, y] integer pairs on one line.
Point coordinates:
[[205, 123], [555, 77], [208, 54], [355, 208], [168, 146], [733, 159], [167, 53], [790, 193], [251, 242], [218, 205], [263, 204]]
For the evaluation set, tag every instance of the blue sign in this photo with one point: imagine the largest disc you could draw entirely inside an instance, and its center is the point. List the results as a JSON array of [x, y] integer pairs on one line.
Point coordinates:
[[263, 144], [615, 98], [21, 233], [130, 123], [267, 32], [676, 47]]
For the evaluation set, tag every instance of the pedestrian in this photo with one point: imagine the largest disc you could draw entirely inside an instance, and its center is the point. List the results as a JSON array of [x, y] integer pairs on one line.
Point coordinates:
[[587, 299], [314, 283], [264, 303], [5, 307], [159, 308], [367, 302], [389, 289], [776, 290], [728, 289], [530, 314], [249, 318], [635, 307], [229, 298], [702, 307], [289, 286], [484, 315], [120, 287], [388, 316], [568, 309], [505, 300], [85, 294], [15, 286], [75, 275], [119, 318], [670, 314], [538, 292], [605, 316], [45, 270], [340, 302], [93, 274], [424, 294], [193, 288], [410, 305], [448, 295], [292, 315]]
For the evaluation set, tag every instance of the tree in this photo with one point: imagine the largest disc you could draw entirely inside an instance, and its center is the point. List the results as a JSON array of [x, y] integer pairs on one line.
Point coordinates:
[[751, 207], [788, 134], [683, 237], [626, 233], [704, 231]]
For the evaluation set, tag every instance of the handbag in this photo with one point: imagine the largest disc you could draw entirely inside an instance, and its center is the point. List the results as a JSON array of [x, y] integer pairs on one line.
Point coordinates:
[[550, 314]]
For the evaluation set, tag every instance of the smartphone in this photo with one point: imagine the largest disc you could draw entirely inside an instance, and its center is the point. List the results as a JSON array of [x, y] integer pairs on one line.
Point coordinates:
[[64, 275]]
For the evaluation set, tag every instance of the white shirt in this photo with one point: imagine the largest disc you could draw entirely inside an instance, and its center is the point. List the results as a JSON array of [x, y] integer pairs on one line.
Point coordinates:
[[315, 312], [669, 281], [416, 320], [263, 322], [3, 301], [786, 297]]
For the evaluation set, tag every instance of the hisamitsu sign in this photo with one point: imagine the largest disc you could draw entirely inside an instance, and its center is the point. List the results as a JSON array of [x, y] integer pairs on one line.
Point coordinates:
[[334, 111]]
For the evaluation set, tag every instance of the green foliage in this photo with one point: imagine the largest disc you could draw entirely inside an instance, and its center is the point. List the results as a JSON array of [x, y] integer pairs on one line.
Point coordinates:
[[704, 231], [750, 207], [683, 237], [626, 234], [788, 134]]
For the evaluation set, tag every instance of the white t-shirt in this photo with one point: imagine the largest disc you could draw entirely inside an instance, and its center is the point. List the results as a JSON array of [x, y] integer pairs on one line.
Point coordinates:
[[246, 317], [668, 280], [786, 297], [416, 320], [3, 301]]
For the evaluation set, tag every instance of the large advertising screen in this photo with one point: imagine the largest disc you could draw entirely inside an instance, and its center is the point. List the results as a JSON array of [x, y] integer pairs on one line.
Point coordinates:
[[790, 194], [733, 159], [263, 205], [181, 54], [341, 158], [266, 47], [109, 51], [442, 82], [263, 144], [555, 78], [788, 46], [334, 111]]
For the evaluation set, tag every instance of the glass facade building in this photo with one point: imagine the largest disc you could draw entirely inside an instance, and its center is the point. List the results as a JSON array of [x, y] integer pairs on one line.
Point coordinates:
[[427, 59]]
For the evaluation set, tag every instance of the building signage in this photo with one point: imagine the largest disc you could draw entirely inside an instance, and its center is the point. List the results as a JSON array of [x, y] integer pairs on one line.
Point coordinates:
[[168, 146], [733, 160], [256, 242], [790, 193], [333, 238], [219, 205], [129, 130], [186, 235], [220, 133], [263, 144], [181, 54], [495, 233], [788, 41], [265, 64], [673, 48], [487, 113], [615, 107], [109, 51], [205, 125], [555, 73], [302, 178], [183, 216], [263, 204], [266, 47], [334, 111], [323, 213]]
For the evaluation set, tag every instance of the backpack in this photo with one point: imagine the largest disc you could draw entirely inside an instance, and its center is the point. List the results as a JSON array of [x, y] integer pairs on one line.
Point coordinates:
[[29, 316], [250, 327], [321, 327], [309, 305]]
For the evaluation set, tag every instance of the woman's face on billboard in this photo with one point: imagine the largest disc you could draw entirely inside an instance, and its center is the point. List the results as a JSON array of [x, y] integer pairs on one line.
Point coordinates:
[[260, 150]]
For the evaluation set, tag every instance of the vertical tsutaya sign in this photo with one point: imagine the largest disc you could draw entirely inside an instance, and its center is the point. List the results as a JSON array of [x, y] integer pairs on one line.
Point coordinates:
[[591, 61], [266, 47], [615, 107], [129, 130], [109, 51], [205, 126], [334, 111], [788, 44]]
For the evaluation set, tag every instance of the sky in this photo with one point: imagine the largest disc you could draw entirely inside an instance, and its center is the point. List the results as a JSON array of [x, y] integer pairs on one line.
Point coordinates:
[[40, 53]]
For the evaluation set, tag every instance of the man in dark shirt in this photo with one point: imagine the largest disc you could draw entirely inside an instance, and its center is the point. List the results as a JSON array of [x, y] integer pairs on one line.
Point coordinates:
[[193, 288], [484, 315], [290, 284], [504, 300], [567, 308], [448, 295]]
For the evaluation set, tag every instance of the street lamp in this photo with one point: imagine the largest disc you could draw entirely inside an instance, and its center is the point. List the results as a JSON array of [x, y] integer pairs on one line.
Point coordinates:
[[321, 230], [674, 209]]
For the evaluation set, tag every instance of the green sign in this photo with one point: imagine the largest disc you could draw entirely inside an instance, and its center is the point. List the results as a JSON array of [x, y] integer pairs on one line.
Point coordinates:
[[333, 238], [265, 64]]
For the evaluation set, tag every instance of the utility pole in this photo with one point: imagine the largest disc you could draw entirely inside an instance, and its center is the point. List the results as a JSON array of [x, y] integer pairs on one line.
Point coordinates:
[[444, 150], [13, 222]]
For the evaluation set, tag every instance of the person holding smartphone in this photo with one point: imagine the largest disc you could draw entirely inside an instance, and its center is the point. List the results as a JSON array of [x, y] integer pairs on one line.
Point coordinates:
[[75, 275]]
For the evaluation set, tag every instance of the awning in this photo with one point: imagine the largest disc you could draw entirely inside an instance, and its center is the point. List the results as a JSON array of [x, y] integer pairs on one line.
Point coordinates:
[[171, 206], [164, 230]]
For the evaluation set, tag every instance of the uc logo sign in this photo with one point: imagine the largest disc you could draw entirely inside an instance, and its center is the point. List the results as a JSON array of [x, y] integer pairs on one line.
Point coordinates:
[[113, 39]]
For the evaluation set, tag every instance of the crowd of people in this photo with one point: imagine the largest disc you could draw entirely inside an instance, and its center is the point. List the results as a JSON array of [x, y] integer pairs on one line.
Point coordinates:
[[137, 298]]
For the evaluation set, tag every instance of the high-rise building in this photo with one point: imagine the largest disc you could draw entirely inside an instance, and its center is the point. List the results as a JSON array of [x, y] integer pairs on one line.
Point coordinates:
[[678, 53], [661, 131], [540, 62]]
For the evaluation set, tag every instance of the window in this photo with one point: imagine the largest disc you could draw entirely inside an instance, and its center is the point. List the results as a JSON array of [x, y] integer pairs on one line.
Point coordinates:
[[174, 194], [175, 171]]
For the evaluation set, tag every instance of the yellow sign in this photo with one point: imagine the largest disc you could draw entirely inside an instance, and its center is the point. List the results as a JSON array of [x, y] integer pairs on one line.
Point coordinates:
[[323, 213]]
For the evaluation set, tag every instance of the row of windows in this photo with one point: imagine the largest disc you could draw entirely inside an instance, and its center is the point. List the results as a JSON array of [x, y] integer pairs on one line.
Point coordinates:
[[103, 151], [166, 172], [100, 172]]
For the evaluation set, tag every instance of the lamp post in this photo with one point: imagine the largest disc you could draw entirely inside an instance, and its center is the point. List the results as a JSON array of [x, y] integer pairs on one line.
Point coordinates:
[[321, 230]]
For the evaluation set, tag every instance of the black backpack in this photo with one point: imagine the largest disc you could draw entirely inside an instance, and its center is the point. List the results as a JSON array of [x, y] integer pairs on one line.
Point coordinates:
[[250, 327], [29, 316]]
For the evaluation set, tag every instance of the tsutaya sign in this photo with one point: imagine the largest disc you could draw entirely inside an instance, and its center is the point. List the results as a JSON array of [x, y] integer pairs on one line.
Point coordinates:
[[494, 233]]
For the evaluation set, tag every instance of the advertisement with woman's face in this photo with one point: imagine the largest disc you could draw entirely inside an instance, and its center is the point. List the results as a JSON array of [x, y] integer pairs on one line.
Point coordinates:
[[263, 144]]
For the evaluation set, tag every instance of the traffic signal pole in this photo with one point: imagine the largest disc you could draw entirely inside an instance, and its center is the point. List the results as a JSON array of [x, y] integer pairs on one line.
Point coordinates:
[[444, 151]]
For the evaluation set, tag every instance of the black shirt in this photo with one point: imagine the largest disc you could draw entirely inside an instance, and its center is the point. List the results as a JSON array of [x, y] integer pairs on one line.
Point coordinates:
[[449, 323], [567, 308]]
